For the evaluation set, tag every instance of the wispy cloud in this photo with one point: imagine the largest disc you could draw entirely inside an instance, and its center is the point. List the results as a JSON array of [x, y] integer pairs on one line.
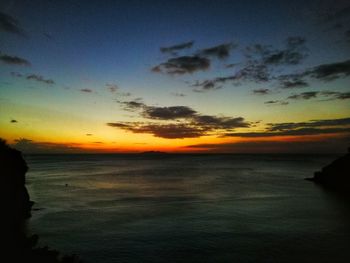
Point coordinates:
[[262, 91], [292, 81], [112, 87], [259, 64], [276, 102], [325, 95], [182, 65], [16, 74], [304, 95], [324, 145], [30, 146], [174, 48], [86, 90], [331, 71], [176, 121], [34, 77], [178, 94], [293, 53], [10, 24], [312, 127], [167, 131], [220, 51], [312, 123], [168, 113], [40, 78], [337, 14], [14, 60]]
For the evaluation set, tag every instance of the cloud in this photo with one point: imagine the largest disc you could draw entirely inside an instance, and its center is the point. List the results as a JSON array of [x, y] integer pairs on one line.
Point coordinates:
[[209, 122], [260, 65], [183, 65], [13, 121], [48, 36], [341, 13], [276, 102], [323, 72], [326, 145], [40, 78], [311, 123], [29, 146], [178, 94], [337, 95], [10, 24], [16, 74], [293, 53], [327, 72], [124, 94], [168, 113], [89, 134], [252, 72], [112, 87], [206, 85], [261, 91], [312, 127], [220, 51], [182, 112], [35, 77], [305, 95], [298, 132], [14, 60], [188, 122], [231, 65], [132, 105], [173, 49], [326, 95], [167, 131], [292, 81], [347, 35], [86, 90]]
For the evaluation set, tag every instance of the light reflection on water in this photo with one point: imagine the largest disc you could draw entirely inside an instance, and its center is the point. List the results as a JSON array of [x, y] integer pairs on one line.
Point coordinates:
[[212, 208]]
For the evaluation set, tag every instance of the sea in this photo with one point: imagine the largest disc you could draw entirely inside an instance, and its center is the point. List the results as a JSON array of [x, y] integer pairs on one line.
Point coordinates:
[[113, 208]]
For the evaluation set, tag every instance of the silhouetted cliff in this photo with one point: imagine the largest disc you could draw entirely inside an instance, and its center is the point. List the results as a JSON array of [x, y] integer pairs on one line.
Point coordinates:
[[336, 175], [15, 203]]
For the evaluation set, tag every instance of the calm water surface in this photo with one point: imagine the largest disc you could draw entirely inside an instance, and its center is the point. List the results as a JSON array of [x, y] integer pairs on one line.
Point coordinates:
[[187, 208]]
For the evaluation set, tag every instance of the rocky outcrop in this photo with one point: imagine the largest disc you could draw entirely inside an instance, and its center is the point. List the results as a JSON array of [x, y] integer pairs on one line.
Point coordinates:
[[14, 197], [15, 205], [336, 175]]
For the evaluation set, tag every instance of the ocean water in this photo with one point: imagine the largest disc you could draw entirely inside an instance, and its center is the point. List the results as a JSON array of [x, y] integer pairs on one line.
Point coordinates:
[[187, 208]]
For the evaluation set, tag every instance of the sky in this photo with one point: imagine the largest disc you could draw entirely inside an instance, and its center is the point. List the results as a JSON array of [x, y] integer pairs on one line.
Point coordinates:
[[175, 76]]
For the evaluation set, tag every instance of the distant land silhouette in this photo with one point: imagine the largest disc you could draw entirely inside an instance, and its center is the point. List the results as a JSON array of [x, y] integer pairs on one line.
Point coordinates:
[[16, 245], [153, 153]]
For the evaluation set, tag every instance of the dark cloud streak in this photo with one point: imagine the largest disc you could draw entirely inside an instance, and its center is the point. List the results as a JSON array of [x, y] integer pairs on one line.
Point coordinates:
[[220, 51], [40, 78], [14, 60], [183, 65], [175, 48], [10, 24]]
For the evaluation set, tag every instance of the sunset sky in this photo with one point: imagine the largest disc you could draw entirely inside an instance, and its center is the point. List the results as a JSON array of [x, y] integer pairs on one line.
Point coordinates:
[[175, 76]]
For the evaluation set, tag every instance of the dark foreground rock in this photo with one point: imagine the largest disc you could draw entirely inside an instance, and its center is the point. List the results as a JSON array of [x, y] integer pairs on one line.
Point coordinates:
[[15, 205], [336, 175]]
